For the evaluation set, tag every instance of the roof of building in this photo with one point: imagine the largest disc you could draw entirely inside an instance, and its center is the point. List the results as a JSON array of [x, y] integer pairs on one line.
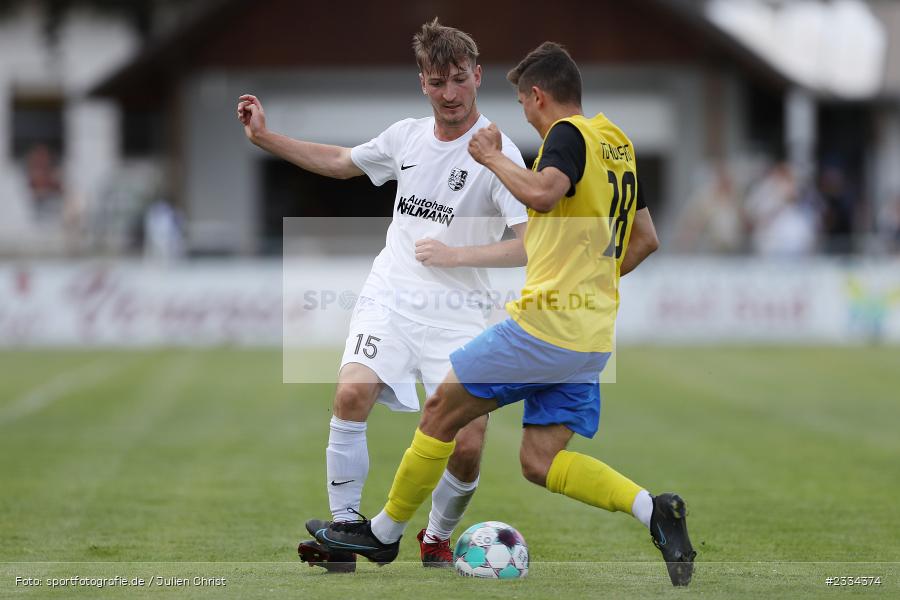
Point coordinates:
[[272, 34], [835, 49]]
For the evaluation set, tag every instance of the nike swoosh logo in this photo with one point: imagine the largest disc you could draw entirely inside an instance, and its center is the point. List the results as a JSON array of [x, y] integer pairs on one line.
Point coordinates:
[[405, 167], [662, 540], [333, 482], [320, 535]]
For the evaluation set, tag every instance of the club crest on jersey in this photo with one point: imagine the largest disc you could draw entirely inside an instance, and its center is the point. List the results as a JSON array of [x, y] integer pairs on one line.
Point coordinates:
[[457, 179]]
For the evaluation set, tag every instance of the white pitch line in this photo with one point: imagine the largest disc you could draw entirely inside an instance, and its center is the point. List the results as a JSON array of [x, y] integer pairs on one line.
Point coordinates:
[[57, 388]]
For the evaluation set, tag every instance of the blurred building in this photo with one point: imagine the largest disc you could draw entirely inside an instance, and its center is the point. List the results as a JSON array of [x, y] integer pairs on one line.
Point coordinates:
[[72, 174], [139, 104], [118, 137], [340, 73]]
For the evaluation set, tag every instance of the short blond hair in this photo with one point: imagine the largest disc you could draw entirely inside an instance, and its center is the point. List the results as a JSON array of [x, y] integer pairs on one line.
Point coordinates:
[[438, 47]]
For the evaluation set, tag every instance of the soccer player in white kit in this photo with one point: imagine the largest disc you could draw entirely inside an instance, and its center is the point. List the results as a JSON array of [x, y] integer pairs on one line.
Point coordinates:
[[427, 292]]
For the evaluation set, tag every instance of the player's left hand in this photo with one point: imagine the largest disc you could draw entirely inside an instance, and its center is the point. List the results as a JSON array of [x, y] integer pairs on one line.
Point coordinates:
[[433, 253], [485, 143]]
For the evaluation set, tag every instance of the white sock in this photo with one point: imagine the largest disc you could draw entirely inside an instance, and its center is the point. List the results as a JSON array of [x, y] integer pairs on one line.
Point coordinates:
[[642, 507], [347, 466], [448, 503], [386, 529]]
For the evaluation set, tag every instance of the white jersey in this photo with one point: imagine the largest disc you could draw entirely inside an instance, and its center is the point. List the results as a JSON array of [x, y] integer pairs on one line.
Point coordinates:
[[442, 194]]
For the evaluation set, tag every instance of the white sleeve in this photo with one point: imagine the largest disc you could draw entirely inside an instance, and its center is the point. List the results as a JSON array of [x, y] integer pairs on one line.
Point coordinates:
[[376, 158], [511, 209]]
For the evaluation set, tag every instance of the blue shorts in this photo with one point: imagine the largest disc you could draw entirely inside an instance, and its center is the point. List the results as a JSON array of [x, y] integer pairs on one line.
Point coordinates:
[[559, 386]]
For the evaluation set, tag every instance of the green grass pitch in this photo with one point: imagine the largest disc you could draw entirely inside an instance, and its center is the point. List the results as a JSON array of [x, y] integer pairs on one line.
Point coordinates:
[[183, 464]]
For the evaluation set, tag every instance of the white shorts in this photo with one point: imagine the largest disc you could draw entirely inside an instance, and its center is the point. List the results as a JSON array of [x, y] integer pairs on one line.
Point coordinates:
[[400, 351]]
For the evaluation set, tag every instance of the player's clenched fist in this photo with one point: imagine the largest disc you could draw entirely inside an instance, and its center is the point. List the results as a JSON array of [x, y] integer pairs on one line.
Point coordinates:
[[251, 115], [433, 253], [484, 143]]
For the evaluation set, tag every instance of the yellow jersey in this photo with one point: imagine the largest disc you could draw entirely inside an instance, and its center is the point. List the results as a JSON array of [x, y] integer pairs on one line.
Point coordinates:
[[571, 294]]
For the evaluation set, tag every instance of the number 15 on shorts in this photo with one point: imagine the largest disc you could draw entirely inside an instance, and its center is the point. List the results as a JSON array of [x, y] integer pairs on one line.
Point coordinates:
[[369, 349]]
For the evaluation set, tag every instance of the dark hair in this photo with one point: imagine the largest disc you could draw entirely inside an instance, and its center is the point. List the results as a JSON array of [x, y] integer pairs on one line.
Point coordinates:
[[550, 68], [437, 47]]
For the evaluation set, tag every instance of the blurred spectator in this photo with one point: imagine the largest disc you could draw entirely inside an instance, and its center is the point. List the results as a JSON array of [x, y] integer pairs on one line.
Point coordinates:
[[17, 221], [784, 218], [163, 233], [45, 182], [712, 220], [889, 224], [837, 218]]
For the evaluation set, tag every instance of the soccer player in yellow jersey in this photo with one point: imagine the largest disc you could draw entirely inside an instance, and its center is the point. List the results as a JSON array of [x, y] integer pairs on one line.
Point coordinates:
[[582, 197]]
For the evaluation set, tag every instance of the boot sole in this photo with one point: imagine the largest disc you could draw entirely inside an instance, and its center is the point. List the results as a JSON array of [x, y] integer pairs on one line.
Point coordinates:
[[319, 558]]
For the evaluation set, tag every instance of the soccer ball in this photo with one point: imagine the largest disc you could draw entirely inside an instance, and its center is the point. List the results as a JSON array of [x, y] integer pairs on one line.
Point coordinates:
[[492, 550]]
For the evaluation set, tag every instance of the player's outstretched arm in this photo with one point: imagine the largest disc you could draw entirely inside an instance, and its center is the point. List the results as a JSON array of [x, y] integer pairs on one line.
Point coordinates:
[[538, 190], [508, 253], [642, 243], [323, 159]]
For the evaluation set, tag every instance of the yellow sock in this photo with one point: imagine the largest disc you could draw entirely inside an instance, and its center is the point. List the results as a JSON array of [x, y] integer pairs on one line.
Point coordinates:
[[418, 474], [588, 480]]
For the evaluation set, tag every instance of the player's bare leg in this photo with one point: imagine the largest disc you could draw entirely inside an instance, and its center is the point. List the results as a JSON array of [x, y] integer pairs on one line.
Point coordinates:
[[540, 445], [452, 495], [546, 462], [357, 390], [347, 459], [465, 462], [451, 408]]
